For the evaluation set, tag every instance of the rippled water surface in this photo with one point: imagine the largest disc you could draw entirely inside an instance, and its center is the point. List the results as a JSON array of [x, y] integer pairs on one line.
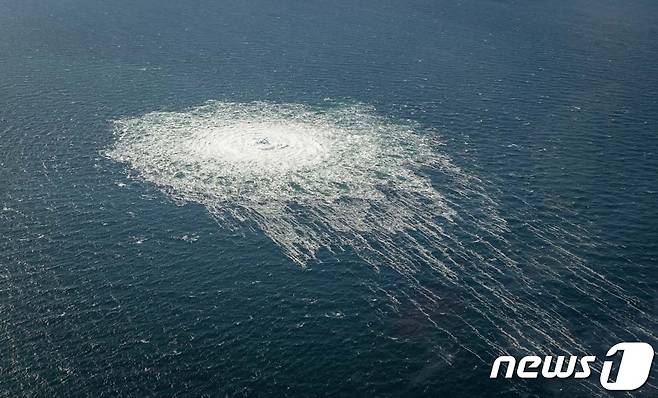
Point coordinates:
[[323, 198]]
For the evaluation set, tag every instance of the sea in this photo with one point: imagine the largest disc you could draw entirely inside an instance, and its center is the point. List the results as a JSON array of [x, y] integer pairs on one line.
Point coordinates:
[[324, 198]]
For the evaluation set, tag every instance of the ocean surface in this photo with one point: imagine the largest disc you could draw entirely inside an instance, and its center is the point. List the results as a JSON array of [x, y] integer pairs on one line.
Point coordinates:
[[309, 198]]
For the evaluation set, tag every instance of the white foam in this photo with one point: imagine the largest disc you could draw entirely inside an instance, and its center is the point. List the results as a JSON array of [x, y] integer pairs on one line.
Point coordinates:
[[350, 172], [345, 178]]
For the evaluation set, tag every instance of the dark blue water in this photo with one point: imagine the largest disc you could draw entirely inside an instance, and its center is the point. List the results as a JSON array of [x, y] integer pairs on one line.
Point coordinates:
[[109, 287]]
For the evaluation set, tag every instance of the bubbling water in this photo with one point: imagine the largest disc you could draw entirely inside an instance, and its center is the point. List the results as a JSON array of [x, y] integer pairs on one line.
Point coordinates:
[[262, 148], [352, 172], [342, 178]]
